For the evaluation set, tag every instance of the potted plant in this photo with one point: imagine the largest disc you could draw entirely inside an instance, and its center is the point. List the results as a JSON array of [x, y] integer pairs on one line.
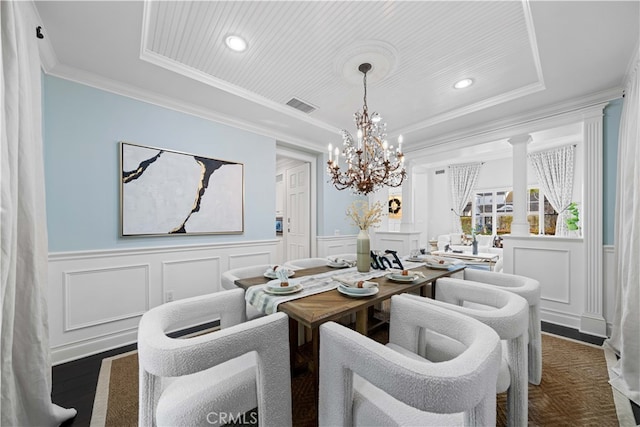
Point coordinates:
[[573, 218]]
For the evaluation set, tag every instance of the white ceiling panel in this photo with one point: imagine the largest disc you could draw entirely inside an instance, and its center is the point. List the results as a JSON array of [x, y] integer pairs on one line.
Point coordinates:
[[299, 49], [523, 56]]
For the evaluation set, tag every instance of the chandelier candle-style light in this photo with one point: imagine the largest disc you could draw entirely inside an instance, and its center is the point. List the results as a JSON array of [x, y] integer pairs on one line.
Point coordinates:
[[370, 162]]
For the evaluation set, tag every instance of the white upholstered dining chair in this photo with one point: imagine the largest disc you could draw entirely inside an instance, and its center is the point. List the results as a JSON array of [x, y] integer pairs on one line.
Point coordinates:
[[529, 289], [205, 379], [301, 263], [346, 257], [230, 276], [508, 315], [363, 382]]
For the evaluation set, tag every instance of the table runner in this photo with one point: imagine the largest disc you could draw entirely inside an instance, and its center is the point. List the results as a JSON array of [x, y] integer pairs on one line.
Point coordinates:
[[311, 285]]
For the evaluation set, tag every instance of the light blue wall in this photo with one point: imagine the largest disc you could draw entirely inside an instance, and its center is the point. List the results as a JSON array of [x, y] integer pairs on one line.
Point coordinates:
[[82, 128], [611, 127], [332, 213]]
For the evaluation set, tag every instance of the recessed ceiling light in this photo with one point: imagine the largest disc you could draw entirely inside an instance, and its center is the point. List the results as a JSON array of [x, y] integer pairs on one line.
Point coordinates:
[[463, 83], [236, 43]]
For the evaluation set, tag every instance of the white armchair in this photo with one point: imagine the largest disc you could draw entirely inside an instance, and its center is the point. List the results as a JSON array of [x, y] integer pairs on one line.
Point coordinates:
[[230, 276], [205, 379], [529, 289], [363, 382], [508, 315], [301, 263]]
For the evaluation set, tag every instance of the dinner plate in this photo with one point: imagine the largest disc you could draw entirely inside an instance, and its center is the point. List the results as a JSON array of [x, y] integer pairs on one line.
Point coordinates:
[[439, 266], [283, 290], [337, 264], [357, 292], [274, 285], [416, 259], [397, 277], [272, 274]]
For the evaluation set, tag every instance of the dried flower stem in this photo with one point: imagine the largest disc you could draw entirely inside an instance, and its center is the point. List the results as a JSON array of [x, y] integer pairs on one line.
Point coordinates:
[[363, 216]]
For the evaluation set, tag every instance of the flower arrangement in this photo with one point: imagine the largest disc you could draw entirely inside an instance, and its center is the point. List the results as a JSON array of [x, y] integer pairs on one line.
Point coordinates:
[[363, 216]]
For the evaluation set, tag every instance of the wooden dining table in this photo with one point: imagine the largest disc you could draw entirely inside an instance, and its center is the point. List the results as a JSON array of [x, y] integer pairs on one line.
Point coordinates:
[[313, 310]]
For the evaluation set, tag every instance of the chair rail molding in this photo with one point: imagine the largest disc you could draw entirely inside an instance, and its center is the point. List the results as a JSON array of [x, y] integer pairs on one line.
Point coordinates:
[[96, 298]]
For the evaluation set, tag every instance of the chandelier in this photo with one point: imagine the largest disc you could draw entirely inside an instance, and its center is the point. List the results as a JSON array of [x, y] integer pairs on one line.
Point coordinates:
[[370, 163]]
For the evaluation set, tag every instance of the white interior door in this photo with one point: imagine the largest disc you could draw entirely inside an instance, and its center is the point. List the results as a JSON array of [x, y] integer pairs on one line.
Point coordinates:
[[298, 221]]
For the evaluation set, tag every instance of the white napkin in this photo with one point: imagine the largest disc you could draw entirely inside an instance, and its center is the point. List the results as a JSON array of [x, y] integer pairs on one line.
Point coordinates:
[[282, 274], [410, 272], [276, 268], [349, 263], [356, 283], [436, 260]]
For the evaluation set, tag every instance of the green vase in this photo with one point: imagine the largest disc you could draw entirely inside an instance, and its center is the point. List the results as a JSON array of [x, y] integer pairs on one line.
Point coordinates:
[[363, 252]]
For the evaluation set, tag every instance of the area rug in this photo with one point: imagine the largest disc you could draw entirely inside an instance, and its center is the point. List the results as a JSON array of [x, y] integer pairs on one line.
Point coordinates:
[[574, 390]]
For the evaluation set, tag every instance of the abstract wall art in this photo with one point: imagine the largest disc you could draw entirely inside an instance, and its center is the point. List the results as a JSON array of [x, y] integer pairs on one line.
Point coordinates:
[[165, 192]]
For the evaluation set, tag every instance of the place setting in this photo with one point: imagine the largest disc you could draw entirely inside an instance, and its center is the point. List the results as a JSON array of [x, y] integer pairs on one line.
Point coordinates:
[[282, 285], [278, 287], [272, 272], [432, 261], [356, 288], [334, 262], [417, 255], [404, 276]]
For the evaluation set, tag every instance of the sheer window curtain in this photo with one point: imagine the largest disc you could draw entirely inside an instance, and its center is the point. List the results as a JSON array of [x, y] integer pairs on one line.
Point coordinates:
[[625, 337], [554, 169], [463, 181], [25, 374]]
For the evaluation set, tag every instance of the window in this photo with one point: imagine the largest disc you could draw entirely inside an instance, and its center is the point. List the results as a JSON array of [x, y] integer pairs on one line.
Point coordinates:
[[493, 212], [484, 212]]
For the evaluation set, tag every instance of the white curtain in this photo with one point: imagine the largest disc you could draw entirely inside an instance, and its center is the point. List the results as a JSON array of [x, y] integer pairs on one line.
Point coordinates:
[[625, 337], [25, 385], [463, 181], [554, 169]]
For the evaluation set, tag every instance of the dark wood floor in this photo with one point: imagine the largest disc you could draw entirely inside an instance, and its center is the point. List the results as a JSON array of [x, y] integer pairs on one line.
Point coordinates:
[[74, 383]]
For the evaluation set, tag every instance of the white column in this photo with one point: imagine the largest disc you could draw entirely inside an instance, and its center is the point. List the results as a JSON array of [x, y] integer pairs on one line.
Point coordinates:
[[520, 225], [406, 223], [592, 320]]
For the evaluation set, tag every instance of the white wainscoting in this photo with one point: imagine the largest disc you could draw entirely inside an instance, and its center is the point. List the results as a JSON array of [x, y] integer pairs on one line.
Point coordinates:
[[96, 298], [560, 266], [399, 241], [335, 245]]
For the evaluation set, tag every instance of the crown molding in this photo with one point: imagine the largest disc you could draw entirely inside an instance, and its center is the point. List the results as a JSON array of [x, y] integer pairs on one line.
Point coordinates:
[[556, 115], [533, 40], [197, 75], [523, 91], [633, 65], [150, 97], [148, 55], [472, 108]]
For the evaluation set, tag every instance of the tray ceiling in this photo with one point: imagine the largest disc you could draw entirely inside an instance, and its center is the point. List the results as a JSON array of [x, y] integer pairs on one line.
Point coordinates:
[[311, 50], [524, 56]]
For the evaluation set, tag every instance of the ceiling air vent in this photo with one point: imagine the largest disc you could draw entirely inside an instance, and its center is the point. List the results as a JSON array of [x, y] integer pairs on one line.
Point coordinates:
[[440, 172], [301, 105]]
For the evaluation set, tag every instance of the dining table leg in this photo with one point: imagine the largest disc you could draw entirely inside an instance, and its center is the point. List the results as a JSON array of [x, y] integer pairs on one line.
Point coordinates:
[[362, 318]]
